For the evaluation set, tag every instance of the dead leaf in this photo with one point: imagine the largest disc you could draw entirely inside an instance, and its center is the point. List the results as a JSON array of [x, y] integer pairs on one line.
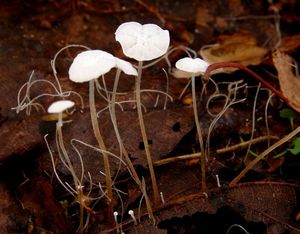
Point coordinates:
[[289, 83], [240, 47], [18, 136], [267, 202], [290, 44], [278, 199], [146, 227], [275, 164]]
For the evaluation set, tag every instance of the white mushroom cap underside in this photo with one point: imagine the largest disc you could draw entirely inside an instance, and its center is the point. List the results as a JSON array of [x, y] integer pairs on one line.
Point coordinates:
[[142, 42], [59, 106], [91, 64]]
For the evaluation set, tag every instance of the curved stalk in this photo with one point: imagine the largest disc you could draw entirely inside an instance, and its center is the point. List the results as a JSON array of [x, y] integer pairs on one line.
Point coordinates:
[[143, 132], [101, 146], [200, 137], [123, 150]]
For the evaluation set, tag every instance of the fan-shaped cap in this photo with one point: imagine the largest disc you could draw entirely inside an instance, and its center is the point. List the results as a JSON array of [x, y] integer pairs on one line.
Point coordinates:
[[91, 64], [59, 106], [193, 66], [126, 67], [142, 42]]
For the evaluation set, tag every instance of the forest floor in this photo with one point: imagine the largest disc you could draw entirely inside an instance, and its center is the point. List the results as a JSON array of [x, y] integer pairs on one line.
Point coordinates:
[[240, 118]]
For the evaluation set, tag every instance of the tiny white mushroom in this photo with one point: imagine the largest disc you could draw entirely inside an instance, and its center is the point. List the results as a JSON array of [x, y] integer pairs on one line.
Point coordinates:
[[116, 221], [195, 66], [131, 213], [60, 106]]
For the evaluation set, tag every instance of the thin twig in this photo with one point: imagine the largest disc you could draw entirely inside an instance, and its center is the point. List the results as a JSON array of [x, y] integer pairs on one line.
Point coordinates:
[[232, 148]]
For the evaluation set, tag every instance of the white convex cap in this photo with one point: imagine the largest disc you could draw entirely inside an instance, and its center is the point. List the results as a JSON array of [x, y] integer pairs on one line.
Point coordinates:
[[194, 66], [91, 64], [142, 42], [59, 106]]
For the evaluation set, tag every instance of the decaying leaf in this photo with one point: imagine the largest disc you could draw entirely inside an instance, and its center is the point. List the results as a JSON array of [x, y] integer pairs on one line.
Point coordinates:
[[240, 47], [289, 83], [278, 199], [290, 44], [267, 202]]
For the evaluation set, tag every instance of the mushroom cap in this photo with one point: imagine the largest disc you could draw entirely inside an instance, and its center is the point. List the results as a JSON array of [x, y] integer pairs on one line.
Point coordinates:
[[91, 64], [142, 42], [59, 106], [126, 67], [192, 65]]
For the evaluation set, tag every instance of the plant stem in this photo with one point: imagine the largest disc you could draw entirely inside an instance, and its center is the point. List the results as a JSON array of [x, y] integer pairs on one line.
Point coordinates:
[[102, 146], [124, 151], [143, 131], [262, 155], [215, 66], [200, 137]]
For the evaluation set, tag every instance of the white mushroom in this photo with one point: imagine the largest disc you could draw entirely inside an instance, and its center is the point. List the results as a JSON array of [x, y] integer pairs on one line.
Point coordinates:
[[143, 43], [88, 66], [60, 106], [195, 67], [91, 64]]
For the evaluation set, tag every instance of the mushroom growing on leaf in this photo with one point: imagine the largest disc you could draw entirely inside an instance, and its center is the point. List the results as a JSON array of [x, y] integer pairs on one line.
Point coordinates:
[[143, 43], [195, 67]]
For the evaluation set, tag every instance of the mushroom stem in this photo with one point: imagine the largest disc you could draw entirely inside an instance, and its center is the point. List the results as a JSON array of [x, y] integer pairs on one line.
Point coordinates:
[[68, 164], [200, 137], [143, 132], [102, 146], [62, 149], [124, 151]]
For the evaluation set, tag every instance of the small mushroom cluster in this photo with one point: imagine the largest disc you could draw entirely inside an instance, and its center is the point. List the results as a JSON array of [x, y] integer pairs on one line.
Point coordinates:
[[142, 43]]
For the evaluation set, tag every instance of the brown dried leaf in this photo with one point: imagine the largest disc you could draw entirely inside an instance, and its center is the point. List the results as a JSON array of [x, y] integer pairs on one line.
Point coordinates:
[[19, 136], [271, 203], [290, 44], [267, 202], [239, 47], [159, 126], [146, 227], [289, 83]]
